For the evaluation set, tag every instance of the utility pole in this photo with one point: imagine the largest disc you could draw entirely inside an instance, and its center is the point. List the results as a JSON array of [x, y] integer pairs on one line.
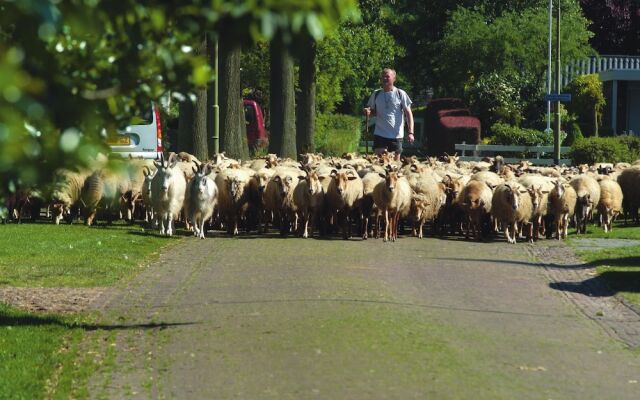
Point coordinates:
[[556, 133], [216, 102], [549, 65]]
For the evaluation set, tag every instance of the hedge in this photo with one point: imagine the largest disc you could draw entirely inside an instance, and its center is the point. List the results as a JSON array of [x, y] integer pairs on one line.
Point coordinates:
[[337, 134], [509, 135], [605, 149]]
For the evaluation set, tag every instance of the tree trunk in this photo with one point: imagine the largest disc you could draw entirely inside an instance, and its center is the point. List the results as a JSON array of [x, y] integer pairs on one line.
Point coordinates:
[[233, 131], [306, 110], [185, 127], [595, 121], [282, 139]]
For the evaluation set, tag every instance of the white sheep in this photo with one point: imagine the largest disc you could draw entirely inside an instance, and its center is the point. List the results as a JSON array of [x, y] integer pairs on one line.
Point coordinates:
[[588, 196], [201, 198], [562, 204], [66, 194], [511, 205], [308, 198], [168, 189], [393, 199], [233, 195], [475, 200], [610, 203], [344, 197]]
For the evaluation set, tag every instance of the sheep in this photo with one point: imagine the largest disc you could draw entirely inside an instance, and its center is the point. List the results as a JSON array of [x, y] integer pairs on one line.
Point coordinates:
[[201, 198], [431, 197], [308, 197], [146, 195], [610, 203], [629, 180], [475, 200], [168, 188], [369, 182], [65, 196], [588, 195], [393, 198], [344, 197], [136, 169], [488, 177], [278, 197], [511, 205], [257, 186], [562, 202], [450, 212], [105, 188], [233, 195], [539, 188]]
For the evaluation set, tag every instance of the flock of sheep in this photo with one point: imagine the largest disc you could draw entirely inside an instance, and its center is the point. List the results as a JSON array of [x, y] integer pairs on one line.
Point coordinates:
[[373, 194]]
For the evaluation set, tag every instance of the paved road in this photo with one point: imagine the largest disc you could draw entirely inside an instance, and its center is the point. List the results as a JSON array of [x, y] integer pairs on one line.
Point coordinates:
[[272, 318]]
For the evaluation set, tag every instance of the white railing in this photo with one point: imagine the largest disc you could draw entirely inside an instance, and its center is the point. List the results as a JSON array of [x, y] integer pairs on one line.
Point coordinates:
[[597, 64], [478, 151]]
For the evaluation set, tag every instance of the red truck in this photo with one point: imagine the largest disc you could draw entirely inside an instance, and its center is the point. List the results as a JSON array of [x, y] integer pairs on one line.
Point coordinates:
[[256, 133]]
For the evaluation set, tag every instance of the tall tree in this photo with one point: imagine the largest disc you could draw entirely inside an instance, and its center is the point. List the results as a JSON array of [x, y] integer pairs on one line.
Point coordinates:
[[233, 136], [306, 106], [616, 24], [282, 139], [200, 147]]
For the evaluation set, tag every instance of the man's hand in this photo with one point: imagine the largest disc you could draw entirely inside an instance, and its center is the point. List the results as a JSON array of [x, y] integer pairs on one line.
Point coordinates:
[[367, 111], [411, 138]]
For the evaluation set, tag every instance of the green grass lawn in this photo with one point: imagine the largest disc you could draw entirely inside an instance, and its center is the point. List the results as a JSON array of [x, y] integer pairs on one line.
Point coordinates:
[[39, 354], [618, 266], [74, 255]]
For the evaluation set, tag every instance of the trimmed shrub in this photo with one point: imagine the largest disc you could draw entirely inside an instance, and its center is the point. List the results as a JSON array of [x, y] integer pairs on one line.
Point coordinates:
[[598, 149], [574, 133], [509, 135], [337, 134], [587, 102]]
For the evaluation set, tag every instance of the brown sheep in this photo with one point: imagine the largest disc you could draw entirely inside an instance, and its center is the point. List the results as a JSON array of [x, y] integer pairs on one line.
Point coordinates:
[[475, 200]]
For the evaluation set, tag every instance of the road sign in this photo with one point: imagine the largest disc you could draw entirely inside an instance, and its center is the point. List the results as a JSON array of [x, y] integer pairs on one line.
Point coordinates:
[[561, 97]]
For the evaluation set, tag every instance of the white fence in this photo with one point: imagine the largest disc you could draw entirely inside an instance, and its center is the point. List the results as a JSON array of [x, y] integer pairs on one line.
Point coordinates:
[[594, 65], [478, 151]]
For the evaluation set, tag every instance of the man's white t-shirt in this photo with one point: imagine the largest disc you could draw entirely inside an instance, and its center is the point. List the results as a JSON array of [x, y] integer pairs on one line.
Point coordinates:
[[389, 108]]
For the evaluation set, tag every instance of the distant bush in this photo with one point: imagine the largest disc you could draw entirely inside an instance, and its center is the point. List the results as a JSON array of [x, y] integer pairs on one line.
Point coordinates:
[[608, 149], [509, 135], [337, 134], [574, 133]]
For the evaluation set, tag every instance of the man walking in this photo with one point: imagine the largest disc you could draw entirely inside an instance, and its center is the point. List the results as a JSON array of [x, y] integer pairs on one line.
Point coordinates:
[[390, 105]]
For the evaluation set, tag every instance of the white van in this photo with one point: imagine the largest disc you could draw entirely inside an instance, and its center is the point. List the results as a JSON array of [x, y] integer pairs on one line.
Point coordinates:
[[143, 140]]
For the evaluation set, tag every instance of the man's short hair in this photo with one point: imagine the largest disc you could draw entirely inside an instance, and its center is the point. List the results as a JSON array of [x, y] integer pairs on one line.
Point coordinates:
[[388, 69]]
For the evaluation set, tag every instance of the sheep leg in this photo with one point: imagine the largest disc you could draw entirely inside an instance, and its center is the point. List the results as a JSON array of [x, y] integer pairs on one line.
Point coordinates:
[[201, 228], [386, 226]]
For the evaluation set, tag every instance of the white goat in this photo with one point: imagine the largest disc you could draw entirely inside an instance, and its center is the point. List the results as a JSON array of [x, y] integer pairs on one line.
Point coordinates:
[[168, 188], [201, 198]]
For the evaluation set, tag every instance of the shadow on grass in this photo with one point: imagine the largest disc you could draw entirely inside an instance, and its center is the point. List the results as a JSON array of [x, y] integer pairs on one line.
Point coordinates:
[[525, 263], [607, 284], [35, 320], [617, 262]]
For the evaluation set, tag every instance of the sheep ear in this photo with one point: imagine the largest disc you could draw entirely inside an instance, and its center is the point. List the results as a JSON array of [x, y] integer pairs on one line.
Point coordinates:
[[413, 167], [276, 178], [545, 192], [302, 177], [333, 173], [351, 177], [383, 176], [400, 175]]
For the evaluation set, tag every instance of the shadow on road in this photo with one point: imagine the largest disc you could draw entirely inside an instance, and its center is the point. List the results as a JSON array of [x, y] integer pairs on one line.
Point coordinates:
[[607, 284]]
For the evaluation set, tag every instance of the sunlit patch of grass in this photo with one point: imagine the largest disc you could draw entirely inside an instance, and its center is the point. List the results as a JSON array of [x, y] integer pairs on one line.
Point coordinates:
[[618, 266], [74, 255]]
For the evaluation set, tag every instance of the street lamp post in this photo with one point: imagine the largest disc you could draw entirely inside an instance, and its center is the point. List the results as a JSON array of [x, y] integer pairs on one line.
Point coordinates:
[[556, 133]]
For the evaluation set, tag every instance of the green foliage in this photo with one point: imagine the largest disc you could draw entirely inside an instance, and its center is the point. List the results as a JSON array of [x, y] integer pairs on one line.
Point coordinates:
[[587, 101], [494, 98], [574, 133], [486, 48], [72, 68], [596, 149], [337, 134], [514, 136]]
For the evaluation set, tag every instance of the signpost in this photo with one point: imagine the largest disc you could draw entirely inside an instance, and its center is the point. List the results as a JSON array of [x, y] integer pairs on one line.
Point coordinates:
[[561, 97]]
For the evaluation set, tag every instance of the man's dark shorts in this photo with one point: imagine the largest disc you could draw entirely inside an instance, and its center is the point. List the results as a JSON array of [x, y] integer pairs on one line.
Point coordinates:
[[380, 142]]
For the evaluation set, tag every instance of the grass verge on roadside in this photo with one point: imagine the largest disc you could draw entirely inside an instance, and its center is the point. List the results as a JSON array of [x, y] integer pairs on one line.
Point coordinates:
[[619, 267], [74, 255], [40, 355]]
